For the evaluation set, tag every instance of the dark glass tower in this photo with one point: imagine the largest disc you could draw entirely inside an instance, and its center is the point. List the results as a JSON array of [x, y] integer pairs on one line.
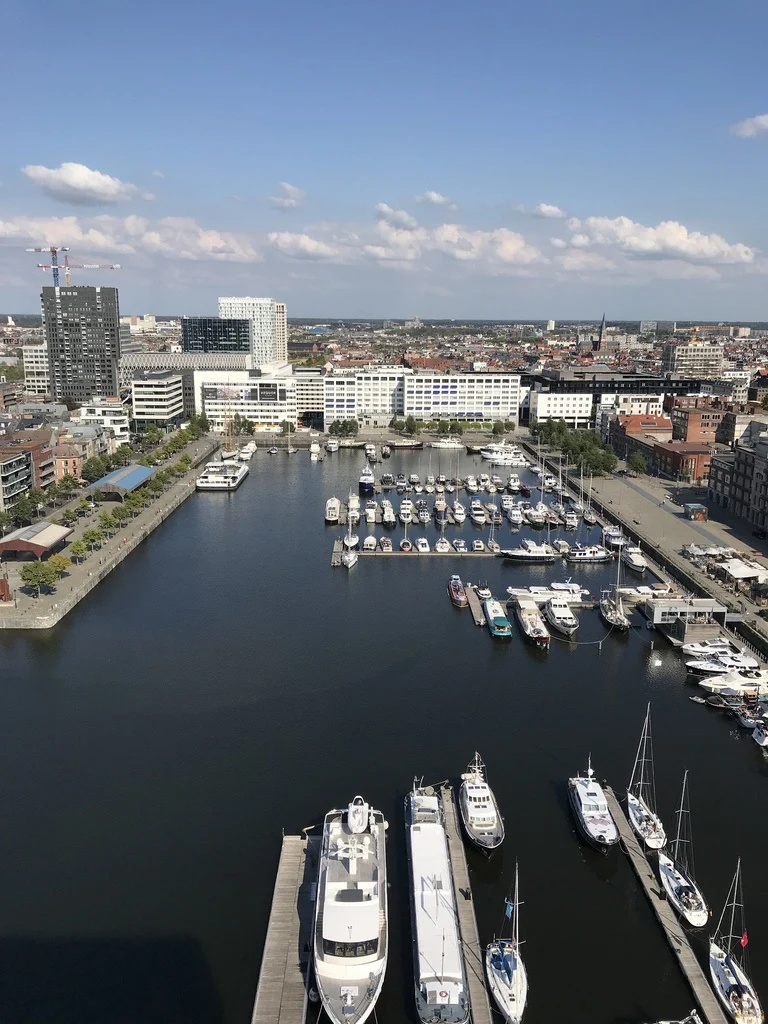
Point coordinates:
[[82, 333], [215, 334]]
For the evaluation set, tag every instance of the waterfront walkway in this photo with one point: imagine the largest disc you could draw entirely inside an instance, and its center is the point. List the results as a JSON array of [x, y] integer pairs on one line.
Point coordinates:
[[29, 612]]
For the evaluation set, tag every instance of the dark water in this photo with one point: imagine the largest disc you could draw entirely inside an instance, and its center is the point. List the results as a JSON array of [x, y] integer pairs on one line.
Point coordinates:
[[225, 684]]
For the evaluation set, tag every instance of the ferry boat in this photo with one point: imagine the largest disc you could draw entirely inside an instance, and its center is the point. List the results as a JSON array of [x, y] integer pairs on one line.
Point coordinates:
[[438, 963], [588, 553], [531, 622], [530, 552], [632, 556], [222, 476], [498, 623], [367, 480], [558, 614], [590, 809], [332, 510], [351, 933], [479, 811]]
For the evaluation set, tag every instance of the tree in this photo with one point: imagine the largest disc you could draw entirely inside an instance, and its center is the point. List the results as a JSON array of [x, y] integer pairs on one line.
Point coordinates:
[[83, 507], [23, 511], [121, 515], [59, 564], [498, 428], [93, 469], [36, 575], [70, 517], [107, 522], [67, 486], [411, 426], [77, 549], [443, 427], [37, 498], [6, 522], [202, 423], [398, 425], [123, 455], [92, 536], [154, 487], [637, 464]]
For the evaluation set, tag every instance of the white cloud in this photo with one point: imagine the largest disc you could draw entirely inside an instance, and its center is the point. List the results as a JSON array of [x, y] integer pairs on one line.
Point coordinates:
[[81, 186], [548, 210], [579, 260], [558, 243], [573, 224], [399, 218], [158, 174], [751, 126], [290, 199], [435, 199], [301, 247], [669, 238], [580, 241]]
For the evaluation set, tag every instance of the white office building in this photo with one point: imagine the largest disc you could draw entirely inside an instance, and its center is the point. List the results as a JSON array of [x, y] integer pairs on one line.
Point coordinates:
[[37, 377], [575, 409], [310, 392], [693, 359], [269, 325], [266, 396], [158, 398], [613, 406], [107, 412]]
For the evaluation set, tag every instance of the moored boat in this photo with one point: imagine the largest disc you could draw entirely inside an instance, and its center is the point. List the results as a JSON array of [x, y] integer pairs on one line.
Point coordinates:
[[590, 809], [727, 960], [558, 614], [222, 476], [498, 623], [641, 794], [588, 553], [479, 811], [367, 480], [632, 556], [332, 510], [507, 977], [531, 621], [676, 869], [531, 552], [457, 592]]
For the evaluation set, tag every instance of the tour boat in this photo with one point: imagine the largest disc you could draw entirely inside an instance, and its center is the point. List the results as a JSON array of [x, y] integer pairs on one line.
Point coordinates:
[[332, 510], [676, 869], [222, 476], [588, 553], [457, 592], [367, 480], [351, 932], [440, 981], [530, 552], [590, 809], [632, 556], [479, 811], [498, 623], [727, 960], [531, 622], [558, 614], [507, 977], [641, 794]]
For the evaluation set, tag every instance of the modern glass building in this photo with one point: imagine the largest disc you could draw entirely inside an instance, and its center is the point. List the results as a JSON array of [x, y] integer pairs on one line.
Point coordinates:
[[82, 335], [215, 334]]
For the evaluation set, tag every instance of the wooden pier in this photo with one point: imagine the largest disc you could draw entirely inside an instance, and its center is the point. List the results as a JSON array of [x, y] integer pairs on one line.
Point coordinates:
[[475, 605], [281, 995], [668, 919], [336, 554], [474, 960]]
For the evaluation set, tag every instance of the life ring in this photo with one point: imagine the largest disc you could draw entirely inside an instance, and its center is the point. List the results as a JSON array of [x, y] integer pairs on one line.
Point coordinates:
[[443, 994]]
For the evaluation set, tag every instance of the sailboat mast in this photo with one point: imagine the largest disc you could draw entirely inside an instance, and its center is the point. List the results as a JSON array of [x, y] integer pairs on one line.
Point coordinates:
[[639, 762], [650, 780], [516, 917]]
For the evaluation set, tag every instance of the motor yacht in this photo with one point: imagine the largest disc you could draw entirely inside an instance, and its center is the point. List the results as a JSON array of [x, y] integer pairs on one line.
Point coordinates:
[[442, 546], [590, 809], [459, 546], [406, 510], [222, 476], [479, 811], [530, 552], [531, 621], [632, 556], [613, 537], [386, 544], [558, 614], [367, 480], [716, 664], [422, 546], [369, 543], [332, 510], [588, 553], [331, 445], [459, 513]]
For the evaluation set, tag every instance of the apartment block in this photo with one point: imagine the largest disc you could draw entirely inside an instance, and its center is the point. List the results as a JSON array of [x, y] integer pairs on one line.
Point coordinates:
[[82, 332], [158, 398], [574, 409], [694, 359], [37, 378]]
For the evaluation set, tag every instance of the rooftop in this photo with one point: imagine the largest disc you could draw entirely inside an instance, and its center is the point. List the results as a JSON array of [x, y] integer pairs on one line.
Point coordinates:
[[123, 480]]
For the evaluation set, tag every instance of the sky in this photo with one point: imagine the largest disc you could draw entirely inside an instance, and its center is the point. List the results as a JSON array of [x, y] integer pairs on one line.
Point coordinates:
[[488, 160]]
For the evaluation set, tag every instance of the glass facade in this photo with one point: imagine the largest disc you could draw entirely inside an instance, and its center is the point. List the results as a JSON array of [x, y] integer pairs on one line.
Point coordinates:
[[215, 334]]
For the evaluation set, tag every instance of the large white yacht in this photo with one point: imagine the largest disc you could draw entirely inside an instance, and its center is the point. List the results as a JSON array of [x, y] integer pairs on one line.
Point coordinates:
[[590, 809], [448, 443], [350, 936], [479, 810], [558, 614], [438, 964], [222, 476]]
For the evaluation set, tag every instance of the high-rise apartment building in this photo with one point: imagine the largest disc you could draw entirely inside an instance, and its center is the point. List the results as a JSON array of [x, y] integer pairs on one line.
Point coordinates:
[[269, 327], [215, 334], [692, 359], [82, 333], [37, 378]]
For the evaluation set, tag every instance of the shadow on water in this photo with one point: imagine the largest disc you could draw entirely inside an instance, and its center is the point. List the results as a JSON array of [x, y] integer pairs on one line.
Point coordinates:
[[106, 981]]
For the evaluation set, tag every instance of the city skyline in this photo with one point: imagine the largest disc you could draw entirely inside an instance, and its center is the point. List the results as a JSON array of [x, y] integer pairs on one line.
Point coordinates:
[[392, 171]]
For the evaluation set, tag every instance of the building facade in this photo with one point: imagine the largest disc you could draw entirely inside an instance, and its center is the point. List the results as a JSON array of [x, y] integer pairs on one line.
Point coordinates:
[[749, 485], [694, 359], [269, 325], [310, 395], [697, 424], [82, 334], [215, 334], [264, 399], [678, 460], [15, 477], [37, 378], [110, 413], [574, 409], [37, 446], [158, 398], [720, 483]]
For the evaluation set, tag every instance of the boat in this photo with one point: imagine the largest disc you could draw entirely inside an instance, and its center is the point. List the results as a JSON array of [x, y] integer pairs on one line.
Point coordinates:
[[414, 479], [350, 920], [611, 606], [479, 811], [387, 481], [353, 508], [530, 552], [727, 960], [588, 553], [442, 546], [760, 734], [457, 592], [737, 682], [562, 547], [498, 623], [348, 442], [448, 444], [641, 794], [369, 543], [370, 452], [406, 510], [331, 445], [405, 545], [404, 445], [470, 484], [332, 510], [531, 622], [717, 645], [371, 508], [558, 614], [386, 451], [719, 663], [222, 476], [590, 809], [507, 977], [422, 546], [515, 516], [676, 869], [632, 556], [477, 546], [513, 483], [314, 449], [572, 590], [483, 591], [571, 521], [459, 546], [388, 516], [459, 513], [440, 982], [386, 544], [367, 480], [613, 537]]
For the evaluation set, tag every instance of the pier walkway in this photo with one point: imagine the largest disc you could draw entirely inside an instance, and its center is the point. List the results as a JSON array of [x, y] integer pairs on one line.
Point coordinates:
[[668, 919], [475, 605], [474, 962], [281, 995]]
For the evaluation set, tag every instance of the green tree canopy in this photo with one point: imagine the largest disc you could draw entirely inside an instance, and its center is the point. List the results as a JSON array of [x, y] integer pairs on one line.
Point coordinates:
[[636, 463], [38, 574], [94, 469], [92, 536], [411, 426], [23, 511], [443, 427], [59, 563], [77, 549], [6, 522], [106, 522], [498, 428]]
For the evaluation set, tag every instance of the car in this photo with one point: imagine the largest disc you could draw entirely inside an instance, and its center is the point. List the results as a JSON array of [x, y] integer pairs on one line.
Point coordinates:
[[763, 613]]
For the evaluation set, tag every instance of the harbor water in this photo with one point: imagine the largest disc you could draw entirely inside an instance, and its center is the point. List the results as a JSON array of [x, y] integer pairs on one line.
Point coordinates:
[[224, 685]]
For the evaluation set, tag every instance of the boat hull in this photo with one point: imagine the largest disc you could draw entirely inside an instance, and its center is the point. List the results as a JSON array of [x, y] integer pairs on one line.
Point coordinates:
[[676, 884], [586, 833], [514, 556], [509, 990]]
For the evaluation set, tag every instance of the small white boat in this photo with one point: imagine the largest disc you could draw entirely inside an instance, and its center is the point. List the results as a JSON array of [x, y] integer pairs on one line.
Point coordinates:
[[332, 510], [641, 794], [717, 645], [515, 516], [422, 545], [477, 546], [406, 510], [531, 622], [459, 512], [719, 663], [507, 977], [331, 445], [369, 544], [633, 557], [574, 590], [558, 614], [479, 811], [442, 546], [386, 544], [760, 734], [222, 476], [562, 547], [676, 869], [727, 963], [613, 537]]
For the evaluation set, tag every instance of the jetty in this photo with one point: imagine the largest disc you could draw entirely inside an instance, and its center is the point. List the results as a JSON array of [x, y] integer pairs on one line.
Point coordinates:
[[475, 605], [281, 994], [336, 554], [668, 919], [474, 962]]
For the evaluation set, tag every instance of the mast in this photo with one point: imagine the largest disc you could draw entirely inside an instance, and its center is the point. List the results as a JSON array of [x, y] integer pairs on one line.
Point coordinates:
[[516, 916], [643, 786], [731, 939], [682, 848]]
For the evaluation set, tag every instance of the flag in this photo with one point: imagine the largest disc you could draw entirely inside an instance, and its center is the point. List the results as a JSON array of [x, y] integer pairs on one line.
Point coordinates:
[[508, 911], [744, 939]]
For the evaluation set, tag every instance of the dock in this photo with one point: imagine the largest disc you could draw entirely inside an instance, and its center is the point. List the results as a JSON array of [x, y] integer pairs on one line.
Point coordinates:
[[668, 919], [336, 554], [475, 605], [474, 961], [281, 994]]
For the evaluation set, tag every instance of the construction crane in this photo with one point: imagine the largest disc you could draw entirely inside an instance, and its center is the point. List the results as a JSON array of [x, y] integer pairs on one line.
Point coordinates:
[[54, 264], [75, 266]]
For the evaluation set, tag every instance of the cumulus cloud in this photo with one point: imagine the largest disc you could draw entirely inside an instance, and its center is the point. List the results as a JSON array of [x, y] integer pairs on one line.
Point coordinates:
[[301, 247], [573, 224], [435, 199], [667, 239], [558, 243], [580, 241], [158, 174], [290, 199], [548, 210], [399, 218], [81, 186], [579, 260], [407, 244], [751, 126]]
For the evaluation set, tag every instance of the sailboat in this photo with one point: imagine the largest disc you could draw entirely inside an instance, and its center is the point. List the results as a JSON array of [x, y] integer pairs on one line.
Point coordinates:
[[676, 869], [349, 553], [290, 450], [728, 959], [507, 978], [589, 516], [611, 606], [641, 795]]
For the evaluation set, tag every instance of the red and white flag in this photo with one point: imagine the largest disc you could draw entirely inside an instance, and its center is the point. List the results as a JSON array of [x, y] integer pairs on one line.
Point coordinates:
[[744, 939]]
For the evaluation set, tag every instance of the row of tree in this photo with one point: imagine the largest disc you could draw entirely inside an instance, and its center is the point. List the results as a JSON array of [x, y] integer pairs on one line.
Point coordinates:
[[580, 447], [344, 428], [196, 428]]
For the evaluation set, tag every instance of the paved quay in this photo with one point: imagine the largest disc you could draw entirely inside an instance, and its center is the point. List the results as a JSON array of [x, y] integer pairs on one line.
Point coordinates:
[[45, 611]]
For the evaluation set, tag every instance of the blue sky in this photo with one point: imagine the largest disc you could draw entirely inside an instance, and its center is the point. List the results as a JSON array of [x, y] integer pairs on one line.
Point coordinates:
[[440, 159]]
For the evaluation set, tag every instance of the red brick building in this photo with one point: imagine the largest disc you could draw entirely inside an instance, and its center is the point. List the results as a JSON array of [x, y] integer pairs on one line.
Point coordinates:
[[680, 460]]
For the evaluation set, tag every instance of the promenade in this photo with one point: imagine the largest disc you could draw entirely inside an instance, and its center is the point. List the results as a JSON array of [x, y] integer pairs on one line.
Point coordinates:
[[45, 611]]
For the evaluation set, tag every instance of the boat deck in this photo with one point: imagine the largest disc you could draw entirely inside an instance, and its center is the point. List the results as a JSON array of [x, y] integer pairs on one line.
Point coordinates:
[[474, 959], [668, 919], [281, 994]]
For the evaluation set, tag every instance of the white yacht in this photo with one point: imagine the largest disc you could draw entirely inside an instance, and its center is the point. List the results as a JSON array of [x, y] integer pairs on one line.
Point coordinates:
[[641, 794], [515, 516], [331, 445], [459, 512], [448, 444], [222, 476], [406, 510], [367, 480], [676, 869], [332, 510], [350, 934], [717, 645], [422, 546], [613, 537], [439, 979], [558, 614], [588, 553], [760, 734], [590, 809], [530, 552], [716, 664], [314, 449], [727, 966], [513, 483], [632, 556], [479, 811], [507, 977], [531, 622]]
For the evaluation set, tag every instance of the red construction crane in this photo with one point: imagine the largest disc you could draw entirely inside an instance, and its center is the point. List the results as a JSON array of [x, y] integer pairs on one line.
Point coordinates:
[[75, 266], [54, 250]]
